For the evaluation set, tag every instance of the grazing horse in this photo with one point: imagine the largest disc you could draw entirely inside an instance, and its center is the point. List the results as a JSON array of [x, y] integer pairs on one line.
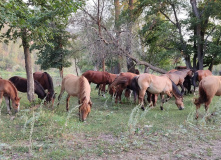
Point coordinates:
[[158, 85], [199, 75], [21, 85], [77, 87], [46, 81], [178, 77], [98, 77], [209, 87], [121, 82], [8, 90]]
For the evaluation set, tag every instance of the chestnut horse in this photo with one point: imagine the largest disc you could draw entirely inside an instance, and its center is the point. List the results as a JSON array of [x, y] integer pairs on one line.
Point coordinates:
[[199, 75], [158, 85], [21, 85], [121, 82], [8, 90], [178, 77], [77, 87], [209, 87], [98, 77], [46, 81]]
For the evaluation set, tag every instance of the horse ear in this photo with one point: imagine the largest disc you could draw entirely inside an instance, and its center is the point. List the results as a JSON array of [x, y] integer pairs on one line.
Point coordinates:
[[90, 103]]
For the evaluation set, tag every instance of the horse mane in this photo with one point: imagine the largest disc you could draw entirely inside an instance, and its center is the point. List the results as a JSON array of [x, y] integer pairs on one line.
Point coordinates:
[[175, 90], [82, 89], [50, 82], [40, 86], [119, 80]]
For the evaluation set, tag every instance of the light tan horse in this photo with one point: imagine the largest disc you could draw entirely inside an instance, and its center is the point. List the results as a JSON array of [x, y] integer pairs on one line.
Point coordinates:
[[208, 88], [158, 85], [9, 91], [77, 87]]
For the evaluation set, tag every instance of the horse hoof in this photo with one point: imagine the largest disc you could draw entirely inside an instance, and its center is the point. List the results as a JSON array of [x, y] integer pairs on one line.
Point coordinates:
[[142, 108], [161, 108], [181, 108]]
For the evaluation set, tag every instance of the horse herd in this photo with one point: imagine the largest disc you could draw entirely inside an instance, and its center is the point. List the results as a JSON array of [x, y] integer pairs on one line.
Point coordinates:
[[139, 84]]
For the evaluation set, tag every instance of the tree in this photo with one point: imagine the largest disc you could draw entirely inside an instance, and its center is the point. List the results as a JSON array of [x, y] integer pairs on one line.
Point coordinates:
[[30, 21], [54, 54]]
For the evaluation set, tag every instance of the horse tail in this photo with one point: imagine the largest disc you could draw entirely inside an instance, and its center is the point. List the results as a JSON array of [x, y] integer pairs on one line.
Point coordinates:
[[175, 90], [62, 88], [195, 78], [202, 95], [134, 84]]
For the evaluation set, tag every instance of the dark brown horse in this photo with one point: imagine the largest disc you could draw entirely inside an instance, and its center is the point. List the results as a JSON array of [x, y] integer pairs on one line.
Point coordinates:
[[209, 87], [77, 87], [121, 82], [47, 83], [178, 77], [98, 77], [199, 75], [21, 85], [8, 90]]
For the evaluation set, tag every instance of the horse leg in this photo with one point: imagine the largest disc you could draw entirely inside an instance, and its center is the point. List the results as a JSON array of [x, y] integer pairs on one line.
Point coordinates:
[[7, 100], [162, 101], [67, 102], [141, 97], [1, 95], [182, 88], [207, 104]]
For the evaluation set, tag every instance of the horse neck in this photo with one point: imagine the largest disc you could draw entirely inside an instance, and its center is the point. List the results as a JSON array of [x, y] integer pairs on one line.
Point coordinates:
[[83, 91], [13, 91]]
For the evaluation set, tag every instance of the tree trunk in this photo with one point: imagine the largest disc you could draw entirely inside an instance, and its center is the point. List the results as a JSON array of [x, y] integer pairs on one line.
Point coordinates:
[[130, 63], [28, 67], [117, 29], [75, 63], [199, 33]]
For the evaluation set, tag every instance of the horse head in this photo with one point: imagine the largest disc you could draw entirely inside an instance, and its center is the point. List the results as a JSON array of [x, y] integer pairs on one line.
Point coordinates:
[[179, 103], [16, 104], [85, 109]]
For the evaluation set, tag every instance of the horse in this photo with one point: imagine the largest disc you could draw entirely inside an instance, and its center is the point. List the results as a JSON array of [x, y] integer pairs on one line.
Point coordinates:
[[101, 86], [209, 87], [77, 87], [178, 77], [199, 75], [9, 91], [21, 85], [121, 82], [98, 77], [158, 85], [47, 83]]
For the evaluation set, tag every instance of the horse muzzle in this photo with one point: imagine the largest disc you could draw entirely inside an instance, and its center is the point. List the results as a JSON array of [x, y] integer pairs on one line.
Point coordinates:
[[181, 108]]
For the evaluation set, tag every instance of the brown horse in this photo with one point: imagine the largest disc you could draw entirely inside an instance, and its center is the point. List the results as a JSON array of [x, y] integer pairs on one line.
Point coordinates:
[[77, 87], [199, 75], [158, 85], [46, 81], [98, 77], [178, 77], [9, 91], [123, 81], [209, 87], [21, 85]]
